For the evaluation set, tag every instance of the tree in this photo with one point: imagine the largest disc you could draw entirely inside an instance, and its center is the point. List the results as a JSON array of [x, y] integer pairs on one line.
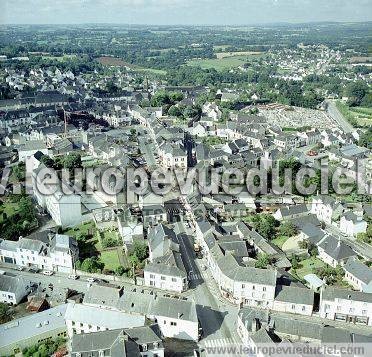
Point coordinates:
[[72, 161], [90, 265], [120, 270], [140, 250], [287, 229], [265, 224], [356, 92], [5, 313], [174, 111], [366, 139], [295, 262], [27, 211], [263, 261]]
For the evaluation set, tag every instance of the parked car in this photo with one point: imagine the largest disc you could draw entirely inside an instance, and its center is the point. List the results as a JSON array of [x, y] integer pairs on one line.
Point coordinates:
[[20, 268], [91, 280], [73, 276], [33, 270], [47, 272]]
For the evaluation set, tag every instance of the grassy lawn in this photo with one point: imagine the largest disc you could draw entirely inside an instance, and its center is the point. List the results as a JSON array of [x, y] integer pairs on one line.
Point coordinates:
[[308, 266], [110, 258], [82, 229], [279, 241], [219, 64]]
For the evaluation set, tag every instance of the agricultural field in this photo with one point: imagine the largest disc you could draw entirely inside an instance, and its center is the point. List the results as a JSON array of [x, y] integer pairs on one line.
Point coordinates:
[[114, 61], [219, 63], [221, 55], [360, 116]]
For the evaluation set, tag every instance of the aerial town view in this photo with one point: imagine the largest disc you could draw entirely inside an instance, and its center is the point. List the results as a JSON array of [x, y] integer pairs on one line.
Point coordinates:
[[185, 178]]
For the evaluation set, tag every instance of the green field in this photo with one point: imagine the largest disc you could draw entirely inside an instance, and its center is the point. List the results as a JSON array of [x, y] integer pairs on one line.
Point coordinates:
[[219, 63], [360, 116]]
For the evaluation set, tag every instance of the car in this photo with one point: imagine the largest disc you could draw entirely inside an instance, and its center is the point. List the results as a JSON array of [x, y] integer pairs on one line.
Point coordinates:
[[73, 276], [33, 270], [20, 268], [91, 280], [47, 272]]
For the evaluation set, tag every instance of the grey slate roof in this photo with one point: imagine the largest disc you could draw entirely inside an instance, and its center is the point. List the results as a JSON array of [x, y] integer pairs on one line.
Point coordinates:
[[359, 270], [335, 248], [331, 293], [295, 295], [112, 342]]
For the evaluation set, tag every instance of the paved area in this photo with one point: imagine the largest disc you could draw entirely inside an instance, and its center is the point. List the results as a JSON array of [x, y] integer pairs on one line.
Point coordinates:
[[338, 117]]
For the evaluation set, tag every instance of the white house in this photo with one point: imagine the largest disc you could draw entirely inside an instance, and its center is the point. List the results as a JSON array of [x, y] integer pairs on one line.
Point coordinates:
[[333, 251], [346, 305], [326, 208], [60, 200], [13, 288], [54, 252], [351, 224], [357, 274], [294, 300], [85, 319], [29, 148]]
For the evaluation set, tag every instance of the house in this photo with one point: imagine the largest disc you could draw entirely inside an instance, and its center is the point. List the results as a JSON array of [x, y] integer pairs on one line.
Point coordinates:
[[357, 274], [167, 273], [346, 305], [153, 215], [326, 208], [173, 156], [13, 288], [212, 111], [295, 300], [311, 233], [60, 200], [138, 341], [351, 224], [29, 148], [32, 329], [42, 250], [333, 251], [81, 319], [289, 212], [130, 227], [165, 269], [176, 318]]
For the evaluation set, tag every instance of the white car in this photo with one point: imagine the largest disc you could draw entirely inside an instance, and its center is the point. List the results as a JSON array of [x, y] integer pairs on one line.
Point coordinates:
[[47, 272], [73, 276], [91, 280]]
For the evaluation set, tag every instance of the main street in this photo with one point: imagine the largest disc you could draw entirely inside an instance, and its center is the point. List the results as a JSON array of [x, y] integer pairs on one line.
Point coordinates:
[[338, 117], [217, 316]]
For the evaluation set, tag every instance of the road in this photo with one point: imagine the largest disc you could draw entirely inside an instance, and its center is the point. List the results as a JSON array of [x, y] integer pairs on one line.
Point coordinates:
[[363, 249], [338, 117], [216, 315]]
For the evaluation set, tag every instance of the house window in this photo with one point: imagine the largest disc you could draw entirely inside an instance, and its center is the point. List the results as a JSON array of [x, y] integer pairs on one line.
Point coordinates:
[[264, 288], [174, 280], [243, 286], [152, 276], [163, 278], [173, 323], [293, 307]]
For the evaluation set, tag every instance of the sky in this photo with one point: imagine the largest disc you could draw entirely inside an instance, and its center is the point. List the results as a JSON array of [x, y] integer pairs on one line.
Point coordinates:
[[188, 12]]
